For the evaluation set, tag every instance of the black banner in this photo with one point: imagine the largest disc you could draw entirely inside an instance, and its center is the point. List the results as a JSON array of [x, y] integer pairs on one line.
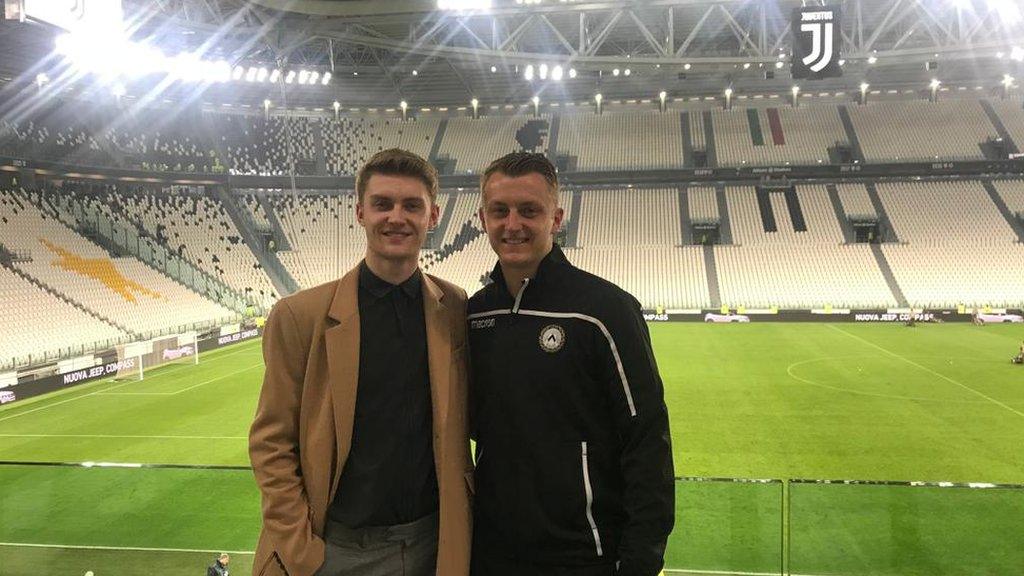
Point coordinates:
[[873, 315], [816, 39]]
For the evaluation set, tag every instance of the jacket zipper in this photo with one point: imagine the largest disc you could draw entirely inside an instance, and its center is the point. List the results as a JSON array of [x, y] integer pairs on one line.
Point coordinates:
[[590, 501], [519, 295]]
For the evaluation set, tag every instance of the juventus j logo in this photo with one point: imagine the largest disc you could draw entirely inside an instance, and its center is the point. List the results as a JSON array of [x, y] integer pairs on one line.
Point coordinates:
[[821, 27]]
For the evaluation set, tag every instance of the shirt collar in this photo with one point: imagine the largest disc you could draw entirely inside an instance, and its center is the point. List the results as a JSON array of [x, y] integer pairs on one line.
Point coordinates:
[[380, 288], [552, 260]]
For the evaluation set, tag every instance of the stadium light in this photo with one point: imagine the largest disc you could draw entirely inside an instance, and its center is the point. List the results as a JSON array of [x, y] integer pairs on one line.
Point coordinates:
[[250, 74], [626, 72], [779, 65], [405, 107], [314, 77], [864, 92], [303, 76], [494, 69], [543, 72], [598, 98], [528, 73], [572, 72], [41, 79], [261, 75], [872, 59], [415, 72], [222, 71], [661, 98], [275, 76], [556, 73], [615, 72], [686, 66], [476, 107], [238, 73], [290, 77], [326, 79]]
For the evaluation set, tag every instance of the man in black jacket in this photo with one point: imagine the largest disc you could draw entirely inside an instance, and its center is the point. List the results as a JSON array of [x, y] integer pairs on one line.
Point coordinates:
[[219, 566], [574, 469]]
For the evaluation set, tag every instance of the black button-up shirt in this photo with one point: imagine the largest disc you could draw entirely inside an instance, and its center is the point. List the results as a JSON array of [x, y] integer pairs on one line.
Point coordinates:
[[389, 477]]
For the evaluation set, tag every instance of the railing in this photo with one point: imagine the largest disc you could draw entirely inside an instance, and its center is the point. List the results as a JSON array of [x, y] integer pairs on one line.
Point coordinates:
[[173, 519]]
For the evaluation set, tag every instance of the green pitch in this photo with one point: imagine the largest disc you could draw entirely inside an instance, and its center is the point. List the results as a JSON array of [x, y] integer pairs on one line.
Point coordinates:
[[813, 401]]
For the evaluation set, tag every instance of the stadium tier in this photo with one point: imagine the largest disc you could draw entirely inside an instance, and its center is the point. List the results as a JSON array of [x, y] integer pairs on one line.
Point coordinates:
[[922, 131], [636, 137], [42, 247]]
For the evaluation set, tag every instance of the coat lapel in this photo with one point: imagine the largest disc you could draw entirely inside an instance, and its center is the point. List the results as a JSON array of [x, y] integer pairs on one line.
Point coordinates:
[[439, 353], [342, 343]]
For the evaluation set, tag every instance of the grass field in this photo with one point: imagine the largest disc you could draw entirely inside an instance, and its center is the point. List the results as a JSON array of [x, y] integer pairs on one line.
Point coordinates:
[[783, 401]]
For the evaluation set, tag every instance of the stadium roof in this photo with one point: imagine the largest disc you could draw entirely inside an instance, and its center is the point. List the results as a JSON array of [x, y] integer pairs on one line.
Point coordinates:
[[382, 52]]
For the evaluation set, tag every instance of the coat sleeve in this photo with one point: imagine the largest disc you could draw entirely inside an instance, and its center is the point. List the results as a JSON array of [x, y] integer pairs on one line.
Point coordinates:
[[274, 447], [641, 420]]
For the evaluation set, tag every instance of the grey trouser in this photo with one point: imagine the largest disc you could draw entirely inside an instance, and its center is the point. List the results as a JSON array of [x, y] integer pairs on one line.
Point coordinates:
[[402, 550]]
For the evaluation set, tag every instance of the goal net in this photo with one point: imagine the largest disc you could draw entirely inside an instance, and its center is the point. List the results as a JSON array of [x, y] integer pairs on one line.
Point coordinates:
[[137, 358]]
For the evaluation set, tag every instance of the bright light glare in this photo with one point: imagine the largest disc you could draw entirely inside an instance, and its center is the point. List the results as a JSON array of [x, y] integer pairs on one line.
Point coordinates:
[[314, 77], [326, 79], [261, 75], [528, 73], [463, 4], [275, 76], [556, 73], [1009, 10], [572, 72], [290, 77], [303, 76]]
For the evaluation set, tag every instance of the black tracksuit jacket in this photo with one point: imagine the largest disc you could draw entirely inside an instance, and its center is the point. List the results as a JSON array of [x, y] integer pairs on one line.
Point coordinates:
[[574, 459]]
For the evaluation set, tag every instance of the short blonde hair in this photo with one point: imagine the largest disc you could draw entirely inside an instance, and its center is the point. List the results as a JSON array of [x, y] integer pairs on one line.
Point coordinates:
[[520, 164]]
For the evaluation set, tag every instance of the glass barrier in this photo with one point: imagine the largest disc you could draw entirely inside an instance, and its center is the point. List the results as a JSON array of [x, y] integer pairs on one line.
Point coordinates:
[[172, 520]]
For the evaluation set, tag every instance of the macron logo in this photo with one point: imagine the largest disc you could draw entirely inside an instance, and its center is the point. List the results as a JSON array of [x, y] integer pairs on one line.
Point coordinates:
[[482, 323]]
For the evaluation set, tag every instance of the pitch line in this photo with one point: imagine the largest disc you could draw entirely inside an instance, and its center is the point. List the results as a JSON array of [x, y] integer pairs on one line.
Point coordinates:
[[249, 553], [123, 548], [142, 437], [100, 392], [929, 370]]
